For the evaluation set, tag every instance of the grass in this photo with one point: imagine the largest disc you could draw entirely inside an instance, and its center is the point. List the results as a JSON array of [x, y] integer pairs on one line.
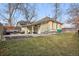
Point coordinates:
[[64, 44]]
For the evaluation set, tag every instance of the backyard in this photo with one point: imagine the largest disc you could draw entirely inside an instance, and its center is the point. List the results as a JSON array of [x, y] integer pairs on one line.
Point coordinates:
[[63, 44]]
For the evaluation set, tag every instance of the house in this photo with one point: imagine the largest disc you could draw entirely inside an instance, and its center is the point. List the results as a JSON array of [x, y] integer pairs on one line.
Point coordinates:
[[45, 25]]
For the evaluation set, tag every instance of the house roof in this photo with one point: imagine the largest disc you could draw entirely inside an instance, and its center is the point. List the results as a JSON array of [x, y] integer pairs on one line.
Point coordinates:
[[46, 19], [22, 22], [43, 20]]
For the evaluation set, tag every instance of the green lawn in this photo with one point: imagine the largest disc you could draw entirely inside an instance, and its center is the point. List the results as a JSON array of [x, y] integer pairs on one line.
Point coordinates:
[[60, 44]]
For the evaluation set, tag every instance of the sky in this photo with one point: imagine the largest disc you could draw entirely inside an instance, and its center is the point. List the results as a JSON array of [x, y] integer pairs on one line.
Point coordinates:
[[46, 9]]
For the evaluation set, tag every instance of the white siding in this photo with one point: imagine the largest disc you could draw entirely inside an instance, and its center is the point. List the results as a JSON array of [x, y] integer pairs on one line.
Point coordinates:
[[43, 28], [25, 29]]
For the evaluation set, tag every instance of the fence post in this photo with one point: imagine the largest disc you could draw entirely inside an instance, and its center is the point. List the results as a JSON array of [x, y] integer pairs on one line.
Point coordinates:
[[1, 34]]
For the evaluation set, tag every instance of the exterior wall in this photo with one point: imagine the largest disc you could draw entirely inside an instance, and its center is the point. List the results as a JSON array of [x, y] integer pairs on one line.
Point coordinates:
[[59, 26], [50, 25], [68, 30], [47, 27], [43, 28], [9, 27], [1, 27], [54, 26], [25, 29]]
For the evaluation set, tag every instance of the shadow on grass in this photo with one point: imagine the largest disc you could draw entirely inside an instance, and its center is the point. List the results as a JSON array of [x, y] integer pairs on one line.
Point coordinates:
[[3, 47], [76, 38], [66, 44]]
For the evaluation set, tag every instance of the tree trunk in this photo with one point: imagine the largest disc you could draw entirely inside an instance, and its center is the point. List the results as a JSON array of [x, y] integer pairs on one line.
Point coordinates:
[[1, 34], [78, 32]]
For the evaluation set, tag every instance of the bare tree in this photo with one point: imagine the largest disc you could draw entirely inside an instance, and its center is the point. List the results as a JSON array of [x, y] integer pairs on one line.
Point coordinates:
[[74, 15], [8, 11], [29, 11], [57, 12]]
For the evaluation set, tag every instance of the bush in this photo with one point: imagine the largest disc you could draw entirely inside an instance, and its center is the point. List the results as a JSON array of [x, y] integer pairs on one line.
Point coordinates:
[[59, 30]]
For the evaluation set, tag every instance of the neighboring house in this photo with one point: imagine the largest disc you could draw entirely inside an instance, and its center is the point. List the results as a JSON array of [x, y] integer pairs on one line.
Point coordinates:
[[9, 29], [44, 25], [68, 28], [1, 26]]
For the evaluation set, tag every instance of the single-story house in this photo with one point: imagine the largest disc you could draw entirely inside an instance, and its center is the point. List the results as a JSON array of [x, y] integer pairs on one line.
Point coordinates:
[[45, 25]]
